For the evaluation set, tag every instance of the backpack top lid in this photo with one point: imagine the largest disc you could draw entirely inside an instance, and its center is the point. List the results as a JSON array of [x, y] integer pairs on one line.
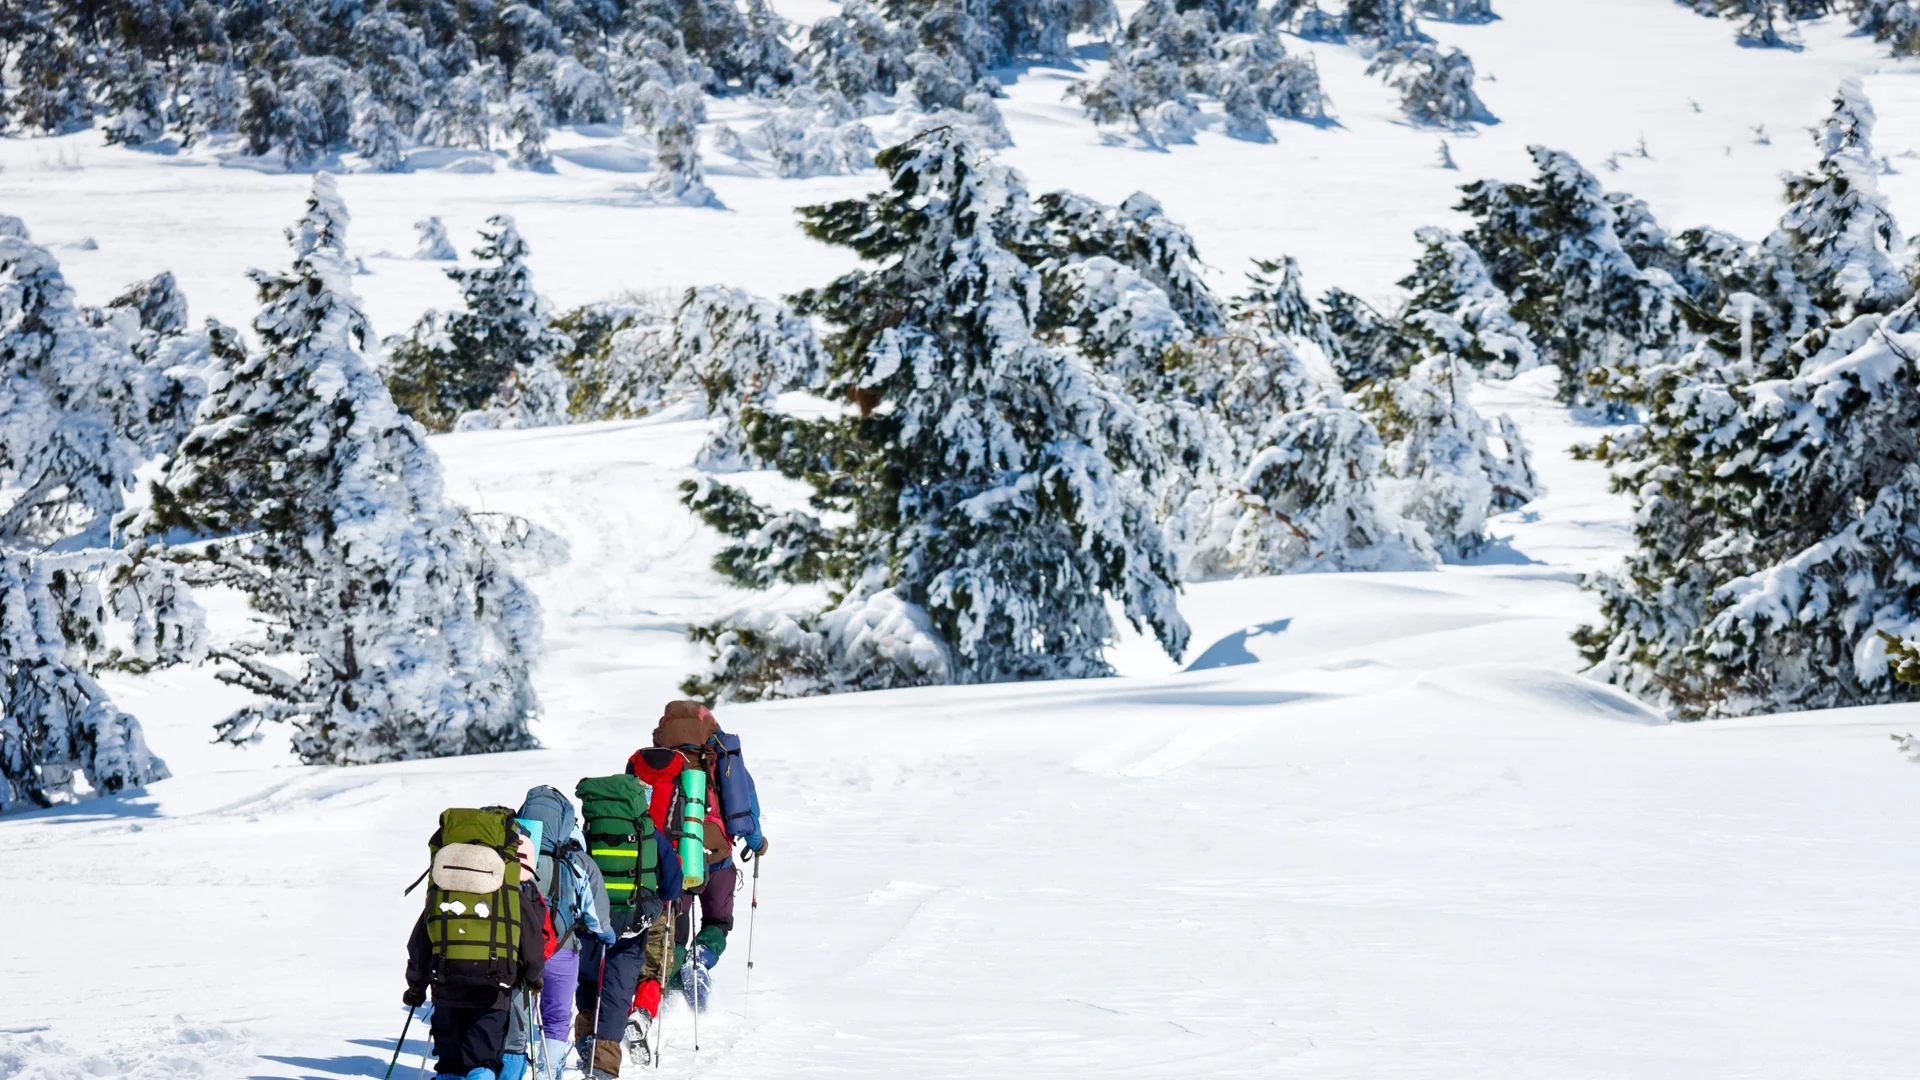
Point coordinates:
[[620, 795], [685, 723], [554, 811], [487, 827]]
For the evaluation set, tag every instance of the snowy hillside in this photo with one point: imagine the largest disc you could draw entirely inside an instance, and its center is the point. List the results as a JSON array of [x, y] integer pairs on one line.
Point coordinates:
[[1368, 825], [1383, 829]]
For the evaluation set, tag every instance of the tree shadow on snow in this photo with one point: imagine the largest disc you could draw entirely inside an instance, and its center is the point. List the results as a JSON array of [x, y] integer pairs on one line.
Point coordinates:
[[1232, 651], [1500, 552], [88, 811], [314, 1068]]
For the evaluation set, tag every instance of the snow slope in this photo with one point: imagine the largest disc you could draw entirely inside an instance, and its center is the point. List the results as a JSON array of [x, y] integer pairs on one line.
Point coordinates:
[[1380, 828], [1384, 830], [1589, 76]]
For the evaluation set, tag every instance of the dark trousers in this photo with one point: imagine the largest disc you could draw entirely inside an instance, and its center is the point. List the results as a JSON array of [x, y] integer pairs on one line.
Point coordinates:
[[468, 1039], [619, 977], [716, 911]]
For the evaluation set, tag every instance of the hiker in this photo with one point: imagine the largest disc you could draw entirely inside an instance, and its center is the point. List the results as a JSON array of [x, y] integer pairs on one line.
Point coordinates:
[[732, 811], [576, 895], [642, 876], [522, 1012], [476, 942]]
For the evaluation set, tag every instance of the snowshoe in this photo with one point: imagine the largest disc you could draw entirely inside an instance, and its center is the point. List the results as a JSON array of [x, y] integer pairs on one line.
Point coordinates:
[[638, 1052]]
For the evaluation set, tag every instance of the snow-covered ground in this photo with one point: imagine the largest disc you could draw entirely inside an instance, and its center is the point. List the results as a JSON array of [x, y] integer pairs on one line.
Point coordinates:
[[1378, 827], [1382, 828]]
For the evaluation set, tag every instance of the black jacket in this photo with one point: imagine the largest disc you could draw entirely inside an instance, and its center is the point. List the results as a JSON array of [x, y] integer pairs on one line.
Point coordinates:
[[533, 961]]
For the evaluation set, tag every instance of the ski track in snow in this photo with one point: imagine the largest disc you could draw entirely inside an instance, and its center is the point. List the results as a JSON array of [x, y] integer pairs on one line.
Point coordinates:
[[1391, 832]]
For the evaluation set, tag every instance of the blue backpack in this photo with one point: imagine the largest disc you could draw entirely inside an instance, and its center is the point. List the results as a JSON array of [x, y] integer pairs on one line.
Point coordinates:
[[558, 870], [735, 786]]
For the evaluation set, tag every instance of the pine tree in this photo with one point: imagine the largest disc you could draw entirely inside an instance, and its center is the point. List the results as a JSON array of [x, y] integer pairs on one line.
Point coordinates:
[[525, 122], [502, 343], [672, 115], [1436, 88], [377, 137], [988, 483], [1896, 22], [56, 722], [323, 505], [1458, 11], [1838, 226], [1442, 468], [83, 411], [1384, 22], [1553, 248], [1454, 305], [433, 242], [1773, 533]]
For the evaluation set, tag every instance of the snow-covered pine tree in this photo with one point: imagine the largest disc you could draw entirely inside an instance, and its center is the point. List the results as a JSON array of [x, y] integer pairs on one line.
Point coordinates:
[[323, 504], [1773, 529], [1138, 234], [525, 122], [1445, 466], [1458, 11], [377, 137], [82, 410], [1368, 346], [672, 115], [1896, 22], [1436, 88], [1838, 227], [433, 241], [736, 352], [1383, 22], [1276, 304], [496, 353], [56, 722], [1453, 302], [989, 482], [1552, 247]]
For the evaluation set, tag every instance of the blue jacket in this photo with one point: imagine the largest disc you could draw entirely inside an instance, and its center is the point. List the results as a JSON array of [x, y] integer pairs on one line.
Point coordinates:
[[584, 901]]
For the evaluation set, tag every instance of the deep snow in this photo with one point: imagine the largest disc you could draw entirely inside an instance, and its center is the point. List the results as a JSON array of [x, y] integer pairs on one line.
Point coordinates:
[[1381, 828]]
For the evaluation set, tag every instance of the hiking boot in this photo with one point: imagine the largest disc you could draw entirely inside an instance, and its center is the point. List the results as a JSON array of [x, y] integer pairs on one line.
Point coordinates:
[[638, 1051], [696, 983]]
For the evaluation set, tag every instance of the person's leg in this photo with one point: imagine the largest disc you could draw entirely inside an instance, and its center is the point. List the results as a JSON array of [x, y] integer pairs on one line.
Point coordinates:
[[621, 975], [654, 971], [445, 1030], [483, 1042], [716, 911], [556, 992]]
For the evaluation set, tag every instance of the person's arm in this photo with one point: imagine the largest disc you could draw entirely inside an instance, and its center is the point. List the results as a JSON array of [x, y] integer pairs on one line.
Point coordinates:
[[419, 962], [590, 900], [669, 867], [533, 945]]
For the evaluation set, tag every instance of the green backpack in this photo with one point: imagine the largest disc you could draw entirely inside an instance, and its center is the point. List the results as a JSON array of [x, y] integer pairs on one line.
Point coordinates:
[[620, 838], [473, 898]]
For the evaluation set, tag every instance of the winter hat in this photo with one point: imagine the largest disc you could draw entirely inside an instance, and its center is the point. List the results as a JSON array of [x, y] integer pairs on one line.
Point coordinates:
[[685, 723]]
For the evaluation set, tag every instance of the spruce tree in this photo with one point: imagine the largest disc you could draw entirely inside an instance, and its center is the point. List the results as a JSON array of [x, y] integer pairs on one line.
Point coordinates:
[[56, 722], [1838, 226], [986, 487], [83, 411], [323, 505], [453, 363], [1554, 249]]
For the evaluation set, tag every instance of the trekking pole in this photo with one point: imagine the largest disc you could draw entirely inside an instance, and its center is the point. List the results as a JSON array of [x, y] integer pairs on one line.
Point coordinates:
[[753, 908], [404, 1028], [692, 964], [599, 992]]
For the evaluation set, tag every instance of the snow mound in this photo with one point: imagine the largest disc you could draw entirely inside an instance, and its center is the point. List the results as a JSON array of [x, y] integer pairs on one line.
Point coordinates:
[[1525, 688], [156, 1052]]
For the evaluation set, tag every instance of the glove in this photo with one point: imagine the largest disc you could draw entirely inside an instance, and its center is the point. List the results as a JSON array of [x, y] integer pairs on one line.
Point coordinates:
[[413, 998], [651, 908], [758, 844], [534, 986], [608, 937]]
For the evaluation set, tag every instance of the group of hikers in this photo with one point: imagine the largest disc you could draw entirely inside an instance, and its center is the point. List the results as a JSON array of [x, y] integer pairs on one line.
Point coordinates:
[[548, 930]]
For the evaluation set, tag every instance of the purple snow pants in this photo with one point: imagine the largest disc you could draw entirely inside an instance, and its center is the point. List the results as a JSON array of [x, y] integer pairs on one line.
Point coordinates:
[[556, 994]]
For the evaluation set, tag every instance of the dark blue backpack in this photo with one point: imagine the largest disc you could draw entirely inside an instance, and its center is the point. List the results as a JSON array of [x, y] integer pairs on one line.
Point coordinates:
[[735, 785], [558, 871]]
